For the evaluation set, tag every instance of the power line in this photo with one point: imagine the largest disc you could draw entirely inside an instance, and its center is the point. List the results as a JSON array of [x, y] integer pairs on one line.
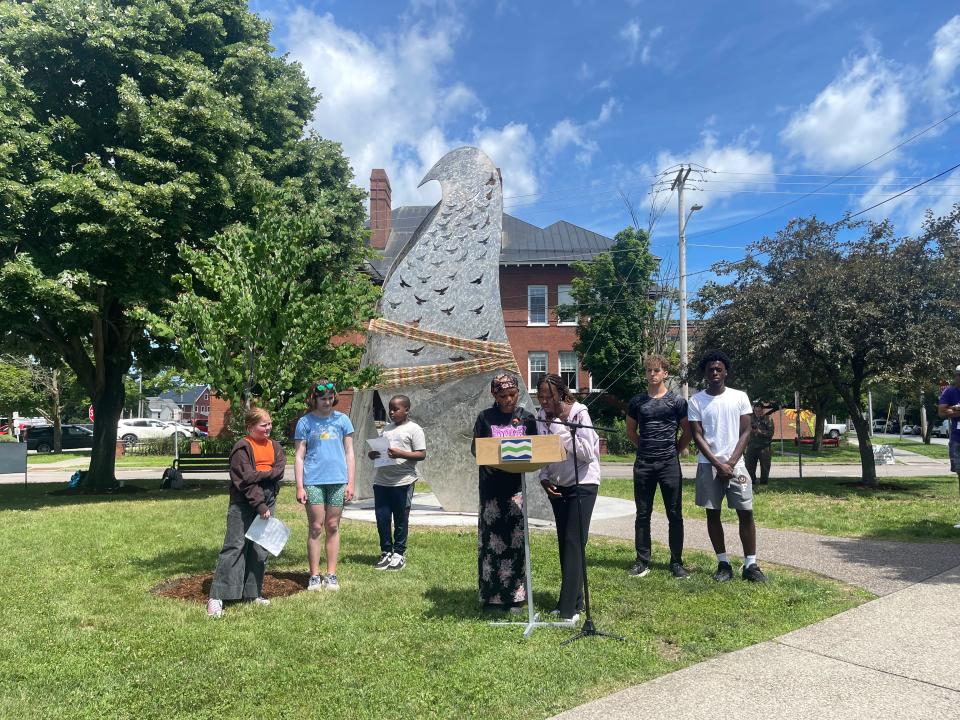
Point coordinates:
[[899, 194]]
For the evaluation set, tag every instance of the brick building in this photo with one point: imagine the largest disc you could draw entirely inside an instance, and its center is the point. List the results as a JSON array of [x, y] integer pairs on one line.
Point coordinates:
[[535, 277]]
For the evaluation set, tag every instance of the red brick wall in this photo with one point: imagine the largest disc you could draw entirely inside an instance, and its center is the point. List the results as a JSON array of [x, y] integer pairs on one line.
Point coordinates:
[[552, 338], [219, 416]]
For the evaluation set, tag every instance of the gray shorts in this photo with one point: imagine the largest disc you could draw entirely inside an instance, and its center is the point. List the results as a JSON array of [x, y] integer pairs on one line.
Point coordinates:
[[710, 491], [954, 456]]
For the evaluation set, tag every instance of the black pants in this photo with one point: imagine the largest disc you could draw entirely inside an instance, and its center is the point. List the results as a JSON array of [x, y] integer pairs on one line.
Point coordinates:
[[764, 456], [647, 475], [566, 513], [393, 503]]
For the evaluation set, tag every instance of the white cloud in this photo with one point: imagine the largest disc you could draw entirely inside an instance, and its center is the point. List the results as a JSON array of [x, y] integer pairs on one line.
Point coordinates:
[[738, 166], [568, 133], [909, 211], [944, 61], [638, 42], [388, 102], [858, 116]]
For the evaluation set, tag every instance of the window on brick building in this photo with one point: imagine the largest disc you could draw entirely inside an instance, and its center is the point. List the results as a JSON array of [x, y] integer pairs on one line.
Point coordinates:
[[565, 298], [536, 304], [570, 369], [536, 369]]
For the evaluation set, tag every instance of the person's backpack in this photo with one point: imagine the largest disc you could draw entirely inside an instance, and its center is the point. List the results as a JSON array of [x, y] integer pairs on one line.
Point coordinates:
[[172, 479]]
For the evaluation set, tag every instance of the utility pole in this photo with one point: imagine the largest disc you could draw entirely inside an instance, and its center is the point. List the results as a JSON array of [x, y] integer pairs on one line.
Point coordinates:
[[678, 184]]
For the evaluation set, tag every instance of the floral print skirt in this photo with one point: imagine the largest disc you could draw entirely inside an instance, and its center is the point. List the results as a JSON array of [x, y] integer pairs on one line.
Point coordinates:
[[500, 540]]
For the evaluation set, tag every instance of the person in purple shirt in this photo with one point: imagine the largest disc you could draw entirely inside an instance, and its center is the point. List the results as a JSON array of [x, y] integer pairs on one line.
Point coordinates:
[[949, 407]]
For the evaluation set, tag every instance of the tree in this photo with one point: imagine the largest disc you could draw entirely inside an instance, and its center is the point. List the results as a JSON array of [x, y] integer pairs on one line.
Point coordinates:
[[874, 307], [617, 312], [55, 387], [262, 308], [128, 127], [17, 393]]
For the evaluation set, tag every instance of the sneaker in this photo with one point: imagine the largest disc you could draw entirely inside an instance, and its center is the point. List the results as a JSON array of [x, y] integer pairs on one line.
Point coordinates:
[[315, 583], [384, 561], [397, 562], [517, 609], [214, 608], [330, 582], [638, 569], [260, 601], [679, 571], [754, 574], [575, 618], [724, 572]]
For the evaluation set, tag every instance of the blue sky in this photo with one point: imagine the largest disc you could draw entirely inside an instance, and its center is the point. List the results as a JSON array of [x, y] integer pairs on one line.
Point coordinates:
[[578, 101]]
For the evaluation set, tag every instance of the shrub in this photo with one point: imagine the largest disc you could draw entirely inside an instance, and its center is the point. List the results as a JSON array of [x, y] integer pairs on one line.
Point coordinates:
[[617, 441]]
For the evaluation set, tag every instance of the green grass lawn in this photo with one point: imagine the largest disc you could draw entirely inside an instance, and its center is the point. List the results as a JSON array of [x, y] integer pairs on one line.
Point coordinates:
[[912, 508], [933, 450], [84, 638]]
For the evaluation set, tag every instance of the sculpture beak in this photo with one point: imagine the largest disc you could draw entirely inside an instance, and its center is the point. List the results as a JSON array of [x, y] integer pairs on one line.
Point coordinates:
[[431, 175]]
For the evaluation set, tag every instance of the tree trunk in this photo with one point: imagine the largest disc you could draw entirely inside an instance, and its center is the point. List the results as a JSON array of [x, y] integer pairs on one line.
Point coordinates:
[[55, 411], [107, 408], [868, 465]]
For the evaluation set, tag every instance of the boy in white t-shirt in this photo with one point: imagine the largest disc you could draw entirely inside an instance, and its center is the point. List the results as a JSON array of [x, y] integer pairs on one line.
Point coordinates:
[[393, 484], [720, 420]]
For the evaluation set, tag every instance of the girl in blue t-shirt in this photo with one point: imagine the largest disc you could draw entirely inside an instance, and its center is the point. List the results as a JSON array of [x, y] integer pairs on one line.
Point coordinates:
[[324, 469]]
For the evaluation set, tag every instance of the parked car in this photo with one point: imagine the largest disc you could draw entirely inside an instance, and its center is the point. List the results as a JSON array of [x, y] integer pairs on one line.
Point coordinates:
[[73, 437], [941, 429], [184, 428], [834, 430], [134, 430]]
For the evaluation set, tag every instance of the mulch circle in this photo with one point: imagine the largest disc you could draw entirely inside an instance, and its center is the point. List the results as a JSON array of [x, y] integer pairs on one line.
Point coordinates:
[[196, 588]]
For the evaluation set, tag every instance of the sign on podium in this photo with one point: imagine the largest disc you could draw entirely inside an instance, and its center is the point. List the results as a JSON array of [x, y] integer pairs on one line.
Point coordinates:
[[520, 454]]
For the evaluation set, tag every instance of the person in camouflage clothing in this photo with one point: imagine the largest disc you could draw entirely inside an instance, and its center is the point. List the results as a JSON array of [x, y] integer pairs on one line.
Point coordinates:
[[758, 446]]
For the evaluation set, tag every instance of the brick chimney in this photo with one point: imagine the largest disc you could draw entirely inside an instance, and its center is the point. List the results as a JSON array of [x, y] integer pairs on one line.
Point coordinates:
[[380, 208]]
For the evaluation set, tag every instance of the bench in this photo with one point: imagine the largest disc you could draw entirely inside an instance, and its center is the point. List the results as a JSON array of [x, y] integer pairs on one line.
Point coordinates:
[[827, 441], [173, 476]]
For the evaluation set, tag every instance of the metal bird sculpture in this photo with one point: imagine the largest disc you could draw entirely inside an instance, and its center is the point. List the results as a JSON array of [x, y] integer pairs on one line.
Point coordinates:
[[464, 341]]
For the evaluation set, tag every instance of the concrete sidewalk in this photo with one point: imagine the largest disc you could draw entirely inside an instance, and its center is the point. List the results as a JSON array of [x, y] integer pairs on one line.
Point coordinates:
[[895, 657]]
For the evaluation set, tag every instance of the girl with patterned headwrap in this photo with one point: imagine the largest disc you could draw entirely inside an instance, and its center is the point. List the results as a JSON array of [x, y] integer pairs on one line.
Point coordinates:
[[500, 526]]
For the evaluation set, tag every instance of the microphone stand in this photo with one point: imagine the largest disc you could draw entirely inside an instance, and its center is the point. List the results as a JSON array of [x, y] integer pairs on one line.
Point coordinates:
[[588, 629]]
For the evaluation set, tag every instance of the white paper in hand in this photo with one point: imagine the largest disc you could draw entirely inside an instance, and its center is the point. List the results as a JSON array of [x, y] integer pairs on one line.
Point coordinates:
[[270, 534], [381, 445]]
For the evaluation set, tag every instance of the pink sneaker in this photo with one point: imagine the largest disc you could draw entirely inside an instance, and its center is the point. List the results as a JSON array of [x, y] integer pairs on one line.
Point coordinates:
[[214, 608]]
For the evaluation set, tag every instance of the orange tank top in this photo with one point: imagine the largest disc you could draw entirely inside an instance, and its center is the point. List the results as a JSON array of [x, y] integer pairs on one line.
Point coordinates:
[[262, 453]]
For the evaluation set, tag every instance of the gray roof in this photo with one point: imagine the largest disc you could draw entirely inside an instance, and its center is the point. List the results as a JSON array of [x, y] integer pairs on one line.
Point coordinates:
[[523, 244], [187, 397]]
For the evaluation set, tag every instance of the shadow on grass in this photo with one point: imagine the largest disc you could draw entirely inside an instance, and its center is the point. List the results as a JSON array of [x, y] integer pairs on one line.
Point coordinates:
[[36, 496], [182, 561], [463, 603]]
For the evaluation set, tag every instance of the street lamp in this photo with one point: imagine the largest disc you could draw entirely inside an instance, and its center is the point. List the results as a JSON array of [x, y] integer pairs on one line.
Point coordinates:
[[683, 289]]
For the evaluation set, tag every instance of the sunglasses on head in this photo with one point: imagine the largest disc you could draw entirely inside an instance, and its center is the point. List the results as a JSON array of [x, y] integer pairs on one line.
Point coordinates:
[[322, 387]]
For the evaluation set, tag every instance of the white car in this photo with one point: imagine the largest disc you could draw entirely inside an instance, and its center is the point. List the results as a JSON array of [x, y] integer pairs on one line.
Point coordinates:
[[134, 430]]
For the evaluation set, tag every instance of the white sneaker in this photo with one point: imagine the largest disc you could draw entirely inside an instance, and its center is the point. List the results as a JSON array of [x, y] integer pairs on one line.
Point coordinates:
[[574, 619], [214, 608], [397, 562], [259, 601], [330, 582], [315, 583]]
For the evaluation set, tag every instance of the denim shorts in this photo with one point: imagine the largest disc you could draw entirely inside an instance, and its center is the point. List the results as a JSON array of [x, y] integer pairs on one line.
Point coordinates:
[[332, 495]]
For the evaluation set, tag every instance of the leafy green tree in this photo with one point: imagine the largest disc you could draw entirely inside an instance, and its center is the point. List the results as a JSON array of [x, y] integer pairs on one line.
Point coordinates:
[[263, 308], [875, 306], [128, 127], [17, 393], [618, 315]]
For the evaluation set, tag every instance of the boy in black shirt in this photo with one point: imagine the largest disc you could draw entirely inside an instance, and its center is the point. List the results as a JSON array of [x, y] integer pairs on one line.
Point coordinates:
[[653, 419]]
